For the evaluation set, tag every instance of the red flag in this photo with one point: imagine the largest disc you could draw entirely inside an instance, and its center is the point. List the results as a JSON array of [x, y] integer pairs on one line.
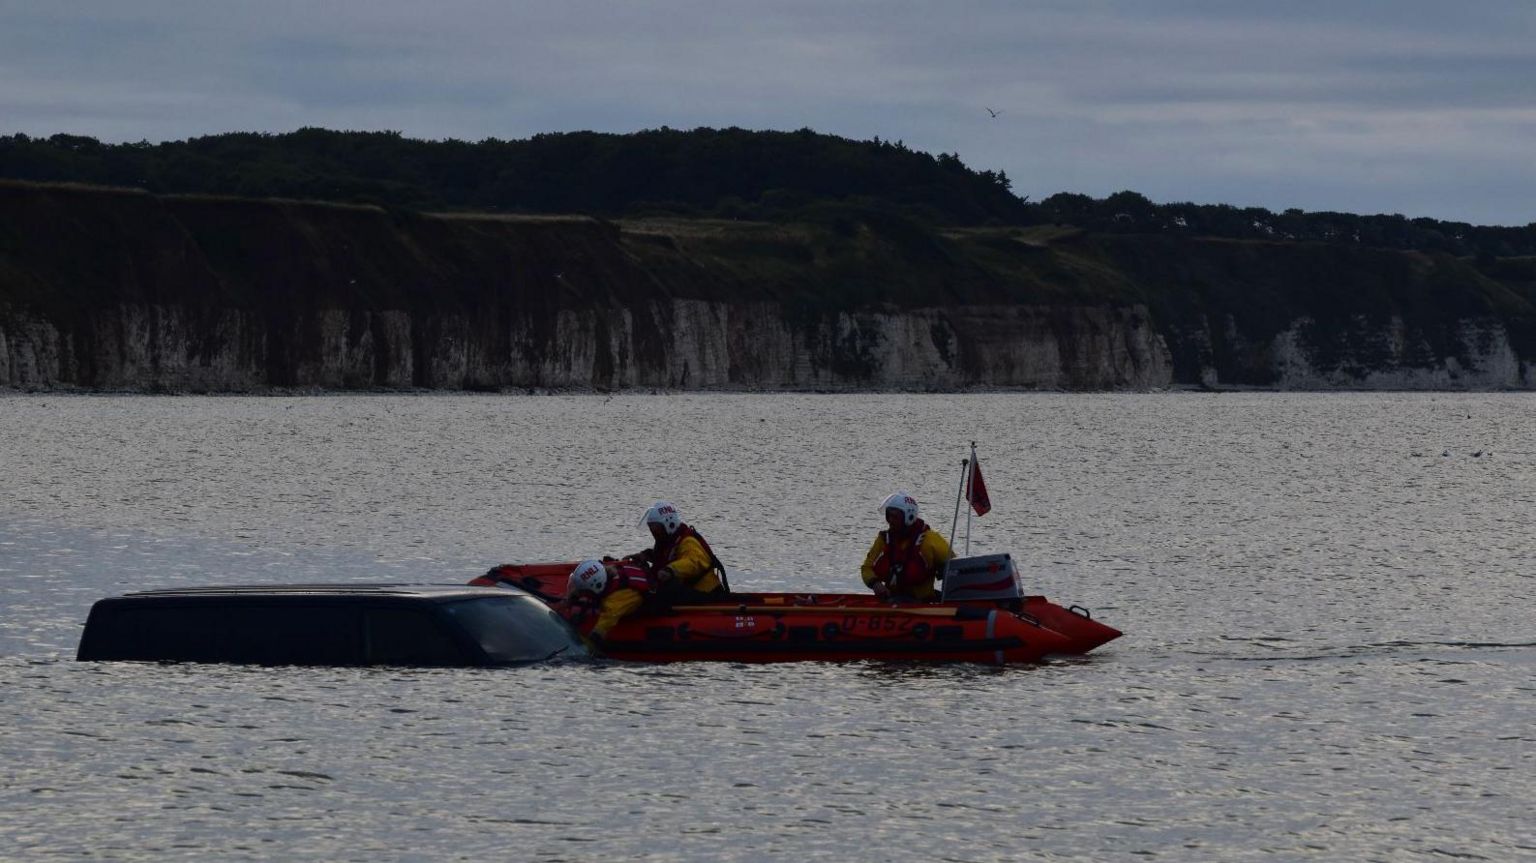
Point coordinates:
[[976, 490]]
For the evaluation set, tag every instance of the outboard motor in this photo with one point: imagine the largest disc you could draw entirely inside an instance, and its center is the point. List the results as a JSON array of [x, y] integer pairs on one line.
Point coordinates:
[[989, 576]]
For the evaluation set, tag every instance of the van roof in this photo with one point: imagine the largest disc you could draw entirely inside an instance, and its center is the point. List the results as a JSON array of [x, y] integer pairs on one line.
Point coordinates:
[[420, 591]]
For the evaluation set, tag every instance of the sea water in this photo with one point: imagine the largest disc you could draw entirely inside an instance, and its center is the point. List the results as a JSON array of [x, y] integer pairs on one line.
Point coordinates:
[[1330, 647]]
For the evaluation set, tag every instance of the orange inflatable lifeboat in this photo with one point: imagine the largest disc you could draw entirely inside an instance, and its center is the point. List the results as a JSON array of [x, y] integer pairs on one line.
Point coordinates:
[[984, 617]]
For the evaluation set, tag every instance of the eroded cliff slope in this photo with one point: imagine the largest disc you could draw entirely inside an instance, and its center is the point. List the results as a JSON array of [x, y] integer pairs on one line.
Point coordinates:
[[121, 290]]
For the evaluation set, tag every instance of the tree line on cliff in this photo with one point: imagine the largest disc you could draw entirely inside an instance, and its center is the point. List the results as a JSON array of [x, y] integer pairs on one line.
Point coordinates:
[[719, 173], [704, 172]]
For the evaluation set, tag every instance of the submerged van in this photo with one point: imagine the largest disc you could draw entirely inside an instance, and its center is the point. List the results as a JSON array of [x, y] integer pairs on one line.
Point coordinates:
[[328, 624]]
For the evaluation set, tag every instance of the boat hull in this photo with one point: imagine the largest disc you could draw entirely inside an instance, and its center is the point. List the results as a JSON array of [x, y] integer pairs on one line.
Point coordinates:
[[795, 627]]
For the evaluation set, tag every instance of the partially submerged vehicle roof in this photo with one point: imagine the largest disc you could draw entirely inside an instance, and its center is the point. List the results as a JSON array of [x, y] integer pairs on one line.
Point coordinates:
[[414, 591], [328, 624]]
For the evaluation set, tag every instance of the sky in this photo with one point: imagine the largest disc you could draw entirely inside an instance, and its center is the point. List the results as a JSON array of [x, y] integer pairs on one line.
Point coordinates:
[[1418, 107]]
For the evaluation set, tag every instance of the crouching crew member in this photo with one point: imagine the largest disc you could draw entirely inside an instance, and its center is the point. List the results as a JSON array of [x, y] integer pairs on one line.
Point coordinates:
[[610, 590], [685, 568], [907, 557]]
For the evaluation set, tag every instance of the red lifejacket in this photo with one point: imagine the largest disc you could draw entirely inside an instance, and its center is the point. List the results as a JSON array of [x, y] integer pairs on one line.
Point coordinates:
[[628, 575], [903, 567], [632, 576]]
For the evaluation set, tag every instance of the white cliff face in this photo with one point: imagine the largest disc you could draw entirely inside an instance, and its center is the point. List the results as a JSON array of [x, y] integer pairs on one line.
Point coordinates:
[[340, 349], [695, 344], [30, 353], [132, 347], [1391, 358], [691, 344]]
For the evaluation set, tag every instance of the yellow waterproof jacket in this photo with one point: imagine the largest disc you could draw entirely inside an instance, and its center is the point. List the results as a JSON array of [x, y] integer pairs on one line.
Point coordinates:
[[924, 564], [614, 608], [691, 565]]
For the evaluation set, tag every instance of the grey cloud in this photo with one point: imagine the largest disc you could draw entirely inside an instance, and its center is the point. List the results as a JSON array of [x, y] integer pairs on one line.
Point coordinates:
[[1378, 105]]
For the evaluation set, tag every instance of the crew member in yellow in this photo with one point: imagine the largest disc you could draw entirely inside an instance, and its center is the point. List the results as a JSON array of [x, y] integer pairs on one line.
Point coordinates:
[[684, 566], [907, 557], [613, 590]]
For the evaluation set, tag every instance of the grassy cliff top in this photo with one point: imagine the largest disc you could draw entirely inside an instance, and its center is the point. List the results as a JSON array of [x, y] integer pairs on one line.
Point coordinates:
[[772, 176]]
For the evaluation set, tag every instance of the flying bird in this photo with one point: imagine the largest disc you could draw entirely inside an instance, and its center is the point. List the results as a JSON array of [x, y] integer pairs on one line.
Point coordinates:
[[992, 112]]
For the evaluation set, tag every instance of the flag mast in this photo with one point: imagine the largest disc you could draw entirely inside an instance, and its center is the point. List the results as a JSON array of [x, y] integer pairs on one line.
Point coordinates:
[[965, 475], [970, 477]]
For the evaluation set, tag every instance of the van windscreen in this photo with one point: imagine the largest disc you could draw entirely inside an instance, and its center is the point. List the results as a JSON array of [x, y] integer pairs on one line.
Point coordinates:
[[514, 628]]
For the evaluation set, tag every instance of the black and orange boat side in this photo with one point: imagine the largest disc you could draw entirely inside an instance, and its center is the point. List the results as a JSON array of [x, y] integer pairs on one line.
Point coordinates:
[[789, 627]]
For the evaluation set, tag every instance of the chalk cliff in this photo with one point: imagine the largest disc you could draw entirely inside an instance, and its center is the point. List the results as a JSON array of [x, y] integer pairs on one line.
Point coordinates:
[[121, 290], [704, 345]]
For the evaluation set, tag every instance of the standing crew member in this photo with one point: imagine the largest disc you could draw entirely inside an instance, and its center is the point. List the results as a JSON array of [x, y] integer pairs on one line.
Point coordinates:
[[616, 590], [906, 558], [684, 566]]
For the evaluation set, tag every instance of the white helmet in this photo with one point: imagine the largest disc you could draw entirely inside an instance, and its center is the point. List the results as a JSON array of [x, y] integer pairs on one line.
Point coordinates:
[[589, 576], [664, 514], [904, 502]]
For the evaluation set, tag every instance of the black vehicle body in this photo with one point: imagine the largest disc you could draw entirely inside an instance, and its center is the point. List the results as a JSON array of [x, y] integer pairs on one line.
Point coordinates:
[[328, 624]]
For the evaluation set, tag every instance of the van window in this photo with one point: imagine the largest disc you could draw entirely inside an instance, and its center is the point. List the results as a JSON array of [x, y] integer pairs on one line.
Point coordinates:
[[269, 635], [285, 635], [514, 628], [409, 636]]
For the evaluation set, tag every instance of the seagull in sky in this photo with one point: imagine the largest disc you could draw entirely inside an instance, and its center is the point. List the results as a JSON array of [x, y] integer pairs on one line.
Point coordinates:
[[992, 112]]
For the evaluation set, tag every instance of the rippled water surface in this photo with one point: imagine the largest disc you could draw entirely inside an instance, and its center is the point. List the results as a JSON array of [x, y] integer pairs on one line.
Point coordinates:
[[1330, 646]]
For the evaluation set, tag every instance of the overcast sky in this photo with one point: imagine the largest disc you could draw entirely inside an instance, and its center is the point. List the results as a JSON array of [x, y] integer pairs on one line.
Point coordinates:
[[1419, 107]]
